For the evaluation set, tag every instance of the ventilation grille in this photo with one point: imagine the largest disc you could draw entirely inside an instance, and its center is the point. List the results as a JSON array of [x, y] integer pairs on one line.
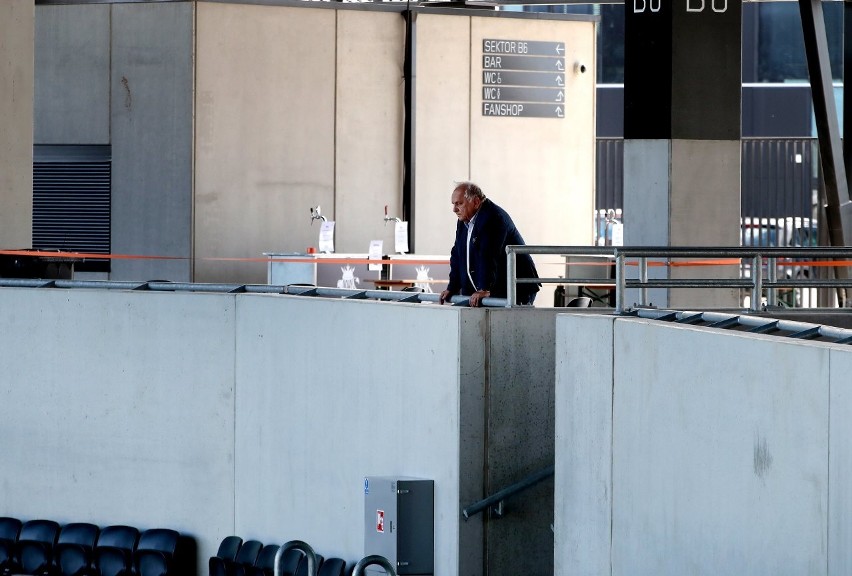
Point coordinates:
[[71, 208]]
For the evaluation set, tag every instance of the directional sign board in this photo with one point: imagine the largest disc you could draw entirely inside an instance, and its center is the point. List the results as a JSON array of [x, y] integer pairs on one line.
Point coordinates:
[[523, 78]]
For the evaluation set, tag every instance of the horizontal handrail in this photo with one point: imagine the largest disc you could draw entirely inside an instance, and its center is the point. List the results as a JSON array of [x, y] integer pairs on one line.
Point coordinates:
[[511, 490], [643, 256]]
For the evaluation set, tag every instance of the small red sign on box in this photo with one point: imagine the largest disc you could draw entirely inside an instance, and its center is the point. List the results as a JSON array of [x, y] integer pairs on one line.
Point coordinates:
[[380, 520]]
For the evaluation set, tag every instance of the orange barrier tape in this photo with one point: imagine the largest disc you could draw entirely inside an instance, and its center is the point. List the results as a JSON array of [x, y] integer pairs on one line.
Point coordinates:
[[781, 262], [784, 262]]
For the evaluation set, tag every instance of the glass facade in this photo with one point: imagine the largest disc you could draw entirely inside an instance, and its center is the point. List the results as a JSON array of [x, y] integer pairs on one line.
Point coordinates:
[[773, 43]]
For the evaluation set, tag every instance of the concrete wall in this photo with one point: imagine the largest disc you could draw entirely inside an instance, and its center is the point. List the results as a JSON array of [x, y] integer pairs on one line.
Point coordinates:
[[539, 169], [665, 215], [72, 96], [323, 125], [688, 450], [521, 438], [260, 415], [122, 74], [151, 110], [265, 129], [228, 122], [16, 110]]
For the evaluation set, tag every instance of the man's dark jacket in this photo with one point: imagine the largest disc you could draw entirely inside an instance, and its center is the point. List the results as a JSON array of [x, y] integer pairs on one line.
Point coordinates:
[[493, 230]]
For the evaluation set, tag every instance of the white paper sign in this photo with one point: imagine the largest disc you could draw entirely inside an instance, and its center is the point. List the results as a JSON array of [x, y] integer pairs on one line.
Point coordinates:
[[400, 237], [326, 237], [618, 234], [375, 254]]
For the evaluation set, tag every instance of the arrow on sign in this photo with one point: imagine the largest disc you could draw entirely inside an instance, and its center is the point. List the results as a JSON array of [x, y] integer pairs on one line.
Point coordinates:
[[559, 49], [559, 65], [559, 111], [559, 81], [559, 96]]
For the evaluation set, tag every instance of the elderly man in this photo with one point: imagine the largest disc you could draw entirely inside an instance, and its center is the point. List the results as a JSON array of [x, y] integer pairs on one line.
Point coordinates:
[[478, 257]]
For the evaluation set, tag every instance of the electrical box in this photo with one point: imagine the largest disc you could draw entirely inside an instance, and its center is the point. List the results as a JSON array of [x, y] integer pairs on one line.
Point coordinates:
[[399, 524]]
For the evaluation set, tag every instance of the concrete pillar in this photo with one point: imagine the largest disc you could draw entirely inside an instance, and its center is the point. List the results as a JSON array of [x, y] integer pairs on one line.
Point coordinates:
[[17, 25], [682, 94]]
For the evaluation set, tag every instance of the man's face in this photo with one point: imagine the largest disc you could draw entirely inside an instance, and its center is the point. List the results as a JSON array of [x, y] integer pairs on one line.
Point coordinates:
[[463, 207]]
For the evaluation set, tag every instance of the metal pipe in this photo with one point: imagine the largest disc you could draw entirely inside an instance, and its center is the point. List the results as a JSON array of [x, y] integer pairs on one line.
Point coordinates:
[[771, 277], [619, 283], [371, 560], [277, 569], [757, 278], [527, 482], [511, 277]]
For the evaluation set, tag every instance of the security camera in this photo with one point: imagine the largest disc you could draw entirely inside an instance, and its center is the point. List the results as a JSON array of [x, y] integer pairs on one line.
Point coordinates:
[[580, 67]]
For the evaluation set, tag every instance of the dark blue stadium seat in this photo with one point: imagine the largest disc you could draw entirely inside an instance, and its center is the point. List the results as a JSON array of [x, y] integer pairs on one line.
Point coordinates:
[[155, 552], [227, 553], [246, 557], [114, 550], [9, 530], [332, 567], [265, 562], [75, 549], [35, 548]]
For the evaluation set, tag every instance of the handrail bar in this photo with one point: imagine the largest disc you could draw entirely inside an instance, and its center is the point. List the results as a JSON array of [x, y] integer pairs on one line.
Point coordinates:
[[510, 490]]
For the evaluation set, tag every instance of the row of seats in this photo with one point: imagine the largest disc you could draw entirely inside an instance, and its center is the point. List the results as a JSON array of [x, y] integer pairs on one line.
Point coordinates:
[[44, 548], [253, 558]]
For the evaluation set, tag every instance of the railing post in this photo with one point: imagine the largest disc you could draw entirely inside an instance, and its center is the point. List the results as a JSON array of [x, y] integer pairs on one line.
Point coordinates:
[[511, 280], [619, 282], [643, 278], [757, 278], [771, 276]]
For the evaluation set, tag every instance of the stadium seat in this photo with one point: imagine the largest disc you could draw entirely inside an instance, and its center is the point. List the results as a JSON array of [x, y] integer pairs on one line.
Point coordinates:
[[75, 549], [246, 557], [155, 552], [35, 548], [9, 529], [114, 550], [227, 553], [265, 562], [332, 567]]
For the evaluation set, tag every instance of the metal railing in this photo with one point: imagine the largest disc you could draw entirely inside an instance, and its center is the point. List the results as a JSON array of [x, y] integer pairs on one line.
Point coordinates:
[[642, 257], [496, 500]]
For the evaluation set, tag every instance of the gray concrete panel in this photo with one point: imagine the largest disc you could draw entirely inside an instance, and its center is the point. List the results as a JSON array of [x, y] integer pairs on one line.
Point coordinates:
[[541, 170], [647, 200], [117, 408], [473, 362], [332, 391], [442, 154], [72, 88], [368, 128], [16, 122], [840, 464], [720, 459], [705, 211], [583, 487], [152, 120], [264, 134], [521, 437]]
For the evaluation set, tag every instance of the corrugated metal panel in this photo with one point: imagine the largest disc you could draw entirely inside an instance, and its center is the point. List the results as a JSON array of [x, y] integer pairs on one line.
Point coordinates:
[[609, 174], [71, 205]]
